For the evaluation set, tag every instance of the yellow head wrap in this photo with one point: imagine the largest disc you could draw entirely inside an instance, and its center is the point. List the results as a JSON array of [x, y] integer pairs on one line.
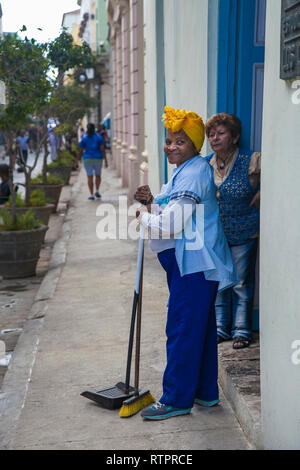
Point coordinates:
[[189, 122]]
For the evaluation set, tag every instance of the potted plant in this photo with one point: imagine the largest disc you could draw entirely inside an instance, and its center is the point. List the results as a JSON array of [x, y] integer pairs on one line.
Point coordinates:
[[38, 204], [63, 165], [21, 239], [24, 69], [51, 186]]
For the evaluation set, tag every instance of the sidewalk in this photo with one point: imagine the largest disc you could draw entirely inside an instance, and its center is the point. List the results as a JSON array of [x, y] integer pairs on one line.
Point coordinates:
[[76, 339]]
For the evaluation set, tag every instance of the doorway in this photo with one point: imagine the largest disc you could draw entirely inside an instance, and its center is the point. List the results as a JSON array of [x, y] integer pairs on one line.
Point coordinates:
[[240, 78]]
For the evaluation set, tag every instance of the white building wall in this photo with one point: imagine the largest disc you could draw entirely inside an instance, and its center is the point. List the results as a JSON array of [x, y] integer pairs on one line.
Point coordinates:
[[280, 250], [151, 96], [186, 55], [185, 65]]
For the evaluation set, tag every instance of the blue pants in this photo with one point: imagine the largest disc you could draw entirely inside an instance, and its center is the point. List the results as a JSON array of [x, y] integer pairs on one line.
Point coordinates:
[[234, 305], [192, 356]]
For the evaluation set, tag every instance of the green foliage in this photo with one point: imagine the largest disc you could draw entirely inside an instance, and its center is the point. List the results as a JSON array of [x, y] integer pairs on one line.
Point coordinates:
[[26, 221], [20, 202], [23, 69], [64, 158], [37, 199], [65, 55], [70, 103], [50, 179]]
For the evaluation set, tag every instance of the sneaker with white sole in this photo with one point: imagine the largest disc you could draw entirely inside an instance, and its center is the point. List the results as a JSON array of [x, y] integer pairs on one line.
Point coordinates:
[[161, 411], [91, 198], [97, 194]]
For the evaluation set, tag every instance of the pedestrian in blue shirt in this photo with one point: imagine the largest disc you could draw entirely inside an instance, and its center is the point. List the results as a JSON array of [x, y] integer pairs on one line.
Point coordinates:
[[186, 233], [23, 147], [92, 147]]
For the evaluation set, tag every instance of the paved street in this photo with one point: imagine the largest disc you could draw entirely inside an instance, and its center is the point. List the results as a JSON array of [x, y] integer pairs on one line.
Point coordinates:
[[76, 339]]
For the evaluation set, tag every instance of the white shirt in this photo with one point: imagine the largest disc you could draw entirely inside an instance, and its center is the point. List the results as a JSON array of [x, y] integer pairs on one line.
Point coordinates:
[[164, 225]]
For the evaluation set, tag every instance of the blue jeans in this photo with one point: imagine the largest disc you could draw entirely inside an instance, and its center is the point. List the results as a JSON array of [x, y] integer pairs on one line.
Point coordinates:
[[234, 305], [192, 355]]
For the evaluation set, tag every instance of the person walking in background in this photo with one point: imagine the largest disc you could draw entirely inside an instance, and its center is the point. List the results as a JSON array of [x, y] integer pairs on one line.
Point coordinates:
[[103, 132], [92, 148], [82, 133], [53, 145], [186, 233], [4, 185], [23, 147], [237, 177]]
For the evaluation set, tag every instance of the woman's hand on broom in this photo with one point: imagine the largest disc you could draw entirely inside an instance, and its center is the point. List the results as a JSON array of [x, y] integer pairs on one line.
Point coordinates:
[[143, 195]]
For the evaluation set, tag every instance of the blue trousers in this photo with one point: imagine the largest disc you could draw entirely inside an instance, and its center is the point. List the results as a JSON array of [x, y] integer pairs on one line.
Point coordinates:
[[192, 356], [234, 305]]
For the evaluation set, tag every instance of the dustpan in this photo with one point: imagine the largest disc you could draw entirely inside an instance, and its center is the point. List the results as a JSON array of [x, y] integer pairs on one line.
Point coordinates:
[[113, 397]]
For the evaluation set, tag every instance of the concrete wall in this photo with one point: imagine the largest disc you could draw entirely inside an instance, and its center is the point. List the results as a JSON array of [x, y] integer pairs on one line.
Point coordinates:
[[186, 57], [154, 91], [280, 254]]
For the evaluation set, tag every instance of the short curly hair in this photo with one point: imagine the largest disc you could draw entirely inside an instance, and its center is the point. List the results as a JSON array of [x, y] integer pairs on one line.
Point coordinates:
[[230, 121]]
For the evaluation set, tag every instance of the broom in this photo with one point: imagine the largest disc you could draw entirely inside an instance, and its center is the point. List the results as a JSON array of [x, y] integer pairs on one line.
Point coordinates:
[[140, 399]]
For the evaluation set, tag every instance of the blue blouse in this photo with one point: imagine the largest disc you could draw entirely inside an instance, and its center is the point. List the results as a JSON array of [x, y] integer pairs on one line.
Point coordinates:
[[91, 146], [201, 246]]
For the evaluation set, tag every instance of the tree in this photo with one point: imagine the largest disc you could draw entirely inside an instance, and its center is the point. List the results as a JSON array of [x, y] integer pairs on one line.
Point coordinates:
[[24, 70], [65, 55], [69, 104]]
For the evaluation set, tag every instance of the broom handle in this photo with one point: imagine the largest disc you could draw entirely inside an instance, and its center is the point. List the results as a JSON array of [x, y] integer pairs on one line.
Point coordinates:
[[138, 331], [134, 308]]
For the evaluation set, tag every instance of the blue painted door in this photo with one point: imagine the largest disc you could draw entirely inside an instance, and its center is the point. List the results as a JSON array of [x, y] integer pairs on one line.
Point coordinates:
[[241, 76], [241, 65]]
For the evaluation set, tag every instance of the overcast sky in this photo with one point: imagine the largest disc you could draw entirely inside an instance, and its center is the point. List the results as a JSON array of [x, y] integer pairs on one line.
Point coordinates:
[[36, 14]]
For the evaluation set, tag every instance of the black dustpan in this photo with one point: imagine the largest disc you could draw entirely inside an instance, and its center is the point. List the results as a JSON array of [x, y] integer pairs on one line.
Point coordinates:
[[113, 397], [110, 398]]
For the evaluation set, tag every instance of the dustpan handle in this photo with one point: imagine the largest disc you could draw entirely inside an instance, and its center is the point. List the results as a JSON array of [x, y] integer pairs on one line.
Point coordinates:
[[134, 307], [140, 259]]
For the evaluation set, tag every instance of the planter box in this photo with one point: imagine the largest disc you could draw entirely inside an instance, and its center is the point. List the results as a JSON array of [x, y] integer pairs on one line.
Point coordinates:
[[41, 213], [52, 192], [63, 172], [20, 251]]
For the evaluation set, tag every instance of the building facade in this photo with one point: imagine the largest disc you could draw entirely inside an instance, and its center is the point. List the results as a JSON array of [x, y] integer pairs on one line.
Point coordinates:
[[241, 57], [89, 24]]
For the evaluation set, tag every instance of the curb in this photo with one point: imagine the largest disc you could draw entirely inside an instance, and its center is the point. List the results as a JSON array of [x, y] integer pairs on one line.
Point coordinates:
[[18, 375], [243, 407]]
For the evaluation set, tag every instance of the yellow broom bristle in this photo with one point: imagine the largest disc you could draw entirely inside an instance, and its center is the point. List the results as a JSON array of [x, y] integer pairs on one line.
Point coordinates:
[[132, 408]]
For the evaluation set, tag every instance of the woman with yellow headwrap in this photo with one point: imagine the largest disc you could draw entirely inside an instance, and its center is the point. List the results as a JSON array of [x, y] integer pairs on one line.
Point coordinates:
[[187, 235]]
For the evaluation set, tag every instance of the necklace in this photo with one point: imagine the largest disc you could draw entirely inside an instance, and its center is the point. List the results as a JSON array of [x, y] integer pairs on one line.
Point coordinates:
[[224, 162]]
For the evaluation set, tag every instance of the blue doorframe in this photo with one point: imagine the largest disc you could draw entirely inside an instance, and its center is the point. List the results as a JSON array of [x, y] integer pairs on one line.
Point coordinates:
[[241, 29], [240, 70]]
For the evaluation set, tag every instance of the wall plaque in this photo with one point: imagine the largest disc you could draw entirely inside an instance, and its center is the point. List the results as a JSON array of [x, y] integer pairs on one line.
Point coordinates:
[[290, 39]]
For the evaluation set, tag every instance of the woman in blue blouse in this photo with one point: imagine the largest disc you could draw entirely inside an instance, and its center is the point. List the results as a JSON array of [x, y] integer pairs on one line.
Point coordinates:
[[187, 235], [237, 177], [92, 147]]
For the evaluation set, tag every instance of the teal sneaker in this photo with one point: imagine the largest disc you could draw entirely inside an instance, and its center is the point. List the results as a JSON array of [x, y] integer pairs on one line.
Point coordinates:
[[206, 403], [161, 411]]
